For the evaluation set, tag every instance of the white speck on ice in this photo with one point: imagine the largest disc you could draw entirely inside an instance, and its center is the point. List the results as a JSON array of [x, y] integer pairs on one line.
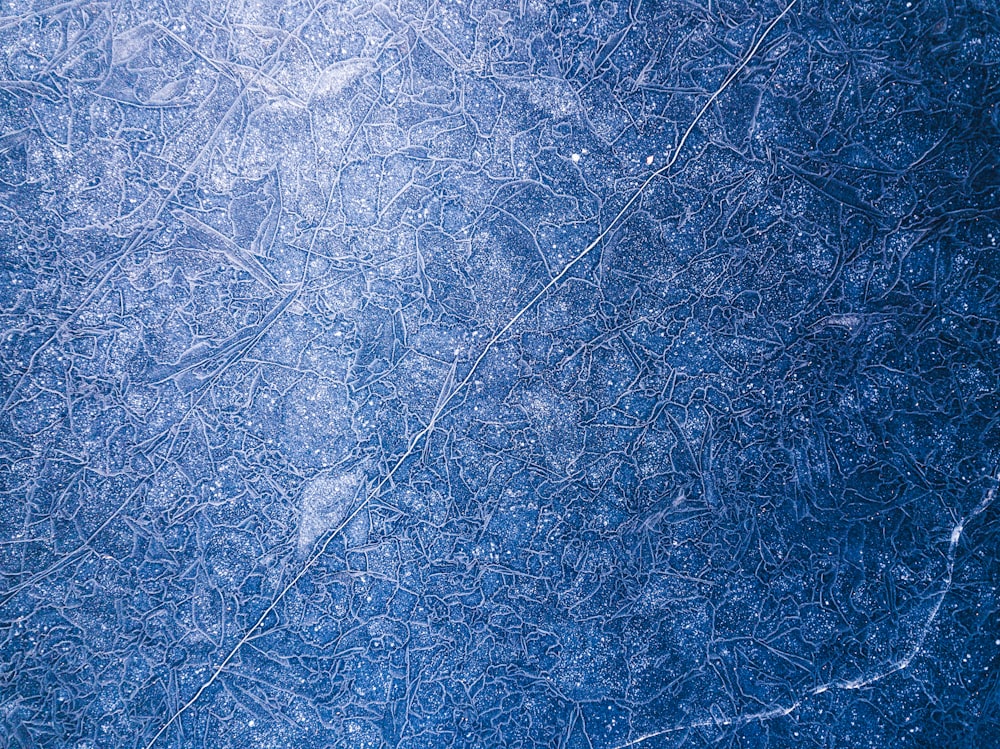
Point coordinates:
[[649, 160], [576, 158]]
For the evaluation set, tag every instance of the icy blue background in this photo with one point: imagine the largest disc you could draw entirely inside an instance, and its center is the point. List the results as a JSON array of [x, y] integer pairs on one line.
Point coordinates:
[[294, 453]]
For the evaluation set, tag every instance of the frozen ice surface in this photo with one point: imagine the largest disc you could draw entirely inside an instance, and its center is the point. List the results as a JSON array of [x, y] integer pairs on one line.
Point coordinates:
[[473, 374]]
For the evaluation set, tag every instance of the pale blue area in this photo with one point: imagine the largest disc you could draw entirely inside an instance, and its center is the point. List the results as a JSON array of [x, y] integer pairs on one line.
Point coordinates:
[[460, 374]]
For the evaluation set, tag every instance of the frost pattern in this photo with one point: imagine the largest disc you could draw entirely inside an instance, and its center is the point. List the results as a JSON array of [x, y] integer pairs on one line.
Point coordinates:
[[487, 374]]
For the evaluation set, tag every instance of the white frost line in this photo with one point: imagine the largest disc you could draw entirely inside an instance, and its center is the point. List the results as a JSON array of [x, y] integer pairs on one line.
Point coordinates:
[[861, 682], [777, 712], [443, 403]]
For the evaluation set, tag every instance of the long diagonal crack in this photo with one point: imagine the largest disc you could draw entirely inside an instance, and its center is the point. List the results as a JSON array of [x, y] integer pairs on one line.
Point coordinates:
[[444, 402]]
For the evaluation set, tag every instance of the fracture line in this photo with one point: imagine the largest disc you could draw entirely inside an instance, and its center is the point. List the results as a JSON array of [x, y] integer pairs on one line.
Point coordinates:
[[863, 681], [443, 403]]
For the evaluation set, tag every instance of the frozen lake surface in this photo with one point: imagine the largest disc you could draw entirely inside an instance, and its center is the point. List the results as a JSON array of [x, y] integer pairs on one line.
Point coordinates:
[[468, 374]]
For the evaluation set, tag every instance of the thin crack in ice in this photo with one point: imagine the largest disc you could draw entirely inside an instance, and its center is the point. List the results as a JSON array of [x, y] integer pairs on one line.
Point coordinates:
[[861, 682], [445, 401]]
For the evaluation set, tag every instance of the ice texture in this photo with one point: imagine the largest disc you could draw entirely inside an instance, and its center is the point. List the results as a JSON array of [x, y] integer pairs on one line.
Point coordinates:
[[469, 374]]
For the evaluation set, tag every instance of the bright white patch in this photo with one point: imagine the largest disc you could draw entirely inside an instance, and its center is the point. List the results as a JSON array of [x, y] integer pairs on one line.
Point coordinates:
[[649, 160], [576, 158], [336, 78], [129, 44], [326, 502]]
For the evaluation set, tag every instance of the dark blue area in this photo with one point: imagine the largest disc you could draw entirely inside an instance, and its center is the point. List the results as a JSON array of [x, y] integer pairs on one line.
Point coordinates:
[[457, 374]]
